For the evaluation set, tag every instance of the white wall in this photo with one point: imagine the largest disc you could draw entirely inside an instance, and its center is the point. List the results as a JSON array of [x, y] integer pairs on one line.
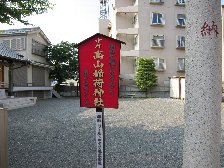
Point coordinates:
[[38, 37], [103, 26], [27, 53]]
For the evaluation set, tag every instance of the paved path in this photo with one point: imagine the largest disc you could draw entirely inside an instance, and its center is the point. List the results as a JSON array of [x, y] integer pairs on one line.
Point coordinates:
[[57, 133]]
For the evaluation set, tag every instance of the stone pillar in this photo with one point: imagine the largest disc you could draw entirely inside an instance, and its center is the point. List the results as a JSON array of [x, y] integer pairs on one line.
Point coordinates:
[[202, 135]]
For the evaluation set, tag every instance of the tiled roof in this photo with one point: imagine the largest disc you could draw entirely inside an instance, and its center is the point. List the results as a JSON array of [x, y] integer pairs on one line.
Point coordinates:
[[7, 53], [24, 31]]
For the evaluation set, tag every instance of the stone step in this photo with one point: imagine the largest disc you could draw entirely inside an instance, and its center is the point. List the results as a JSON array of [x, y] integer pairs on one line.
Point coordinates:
[[15, 103], [56, 94]]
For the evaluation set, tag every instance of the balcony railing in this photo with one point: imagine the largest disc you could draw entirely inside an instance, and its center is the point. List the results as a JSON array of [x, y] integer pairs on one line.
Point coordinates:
[[130, 31], [29, 85], [29, 88], [128, 9], [130, 53]]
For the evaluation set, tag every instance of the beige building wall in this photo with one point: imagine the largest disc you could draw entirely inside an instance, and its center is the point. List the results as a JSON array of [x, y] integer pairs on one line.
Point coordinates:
[[27, 53], [131, 22], [170, 31], [104, 26], [38, 37]]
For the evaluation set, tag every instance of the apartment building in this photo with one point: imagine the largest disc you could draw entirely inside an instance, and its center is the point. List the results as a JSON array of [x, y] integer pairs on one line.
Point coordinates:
[[30, 79], [151, 29]]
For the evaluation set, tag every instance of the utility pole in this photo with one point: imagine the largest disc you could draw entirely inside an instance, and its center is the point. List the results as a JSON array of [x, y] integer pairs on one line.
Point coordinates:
[[202, 135]]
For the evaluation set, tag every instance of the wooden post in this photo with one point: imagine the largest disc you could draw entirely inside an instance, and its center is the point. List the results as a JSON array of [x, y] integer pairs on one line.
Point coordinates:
[[100, 137], [3, 138], [10, 91]]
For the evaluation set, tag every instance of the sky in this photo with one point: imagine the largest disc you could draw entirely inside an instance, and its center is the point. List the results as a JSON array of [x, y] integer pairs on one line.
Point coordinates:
[[70, 20]]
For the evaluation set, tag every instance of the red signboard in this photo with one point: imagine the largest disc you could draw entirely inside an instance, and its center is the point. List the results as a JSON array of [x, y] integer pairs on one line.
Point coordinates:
[[99, 69]]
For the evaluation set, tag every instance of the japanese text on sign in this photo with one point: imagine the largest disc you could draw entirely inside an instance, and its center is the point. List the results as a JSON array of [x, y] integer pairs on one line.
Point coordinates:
[[99, 139], [112, 66], [98, 75], [99, 65]]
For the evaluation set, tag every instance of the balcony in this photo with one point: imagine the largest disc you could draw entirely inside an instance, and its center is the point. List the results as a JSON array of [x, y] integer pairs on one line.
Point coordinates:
[[130, 31], [128, 9], [130, 53]]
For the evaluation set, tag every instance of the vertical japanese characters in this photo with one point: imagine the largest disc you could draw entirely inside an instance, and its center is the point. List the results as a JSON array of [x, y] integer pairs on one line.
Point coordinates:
[[112, 64], [99, 139], [86, 88], [98, 74]]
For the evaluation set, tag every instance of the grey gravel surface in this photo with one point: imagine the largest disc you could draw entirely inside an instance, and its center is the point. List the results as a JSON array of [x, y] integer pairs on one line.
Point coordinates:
[[57, 133]]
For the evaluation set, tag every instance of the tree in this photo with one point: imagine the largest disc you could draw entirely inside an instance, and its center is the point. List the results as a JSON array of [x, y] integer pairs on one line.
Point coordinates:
[[11, 10], [146, 74], [63, 59]]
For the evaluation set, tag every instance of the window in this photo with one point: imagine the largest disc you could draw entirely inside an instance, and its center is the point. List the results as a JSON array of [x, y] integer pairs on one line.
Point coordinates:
[[180, 42], [180, 2], [181, 64], [158, 41], [181, 20], [156, 1], [160, 64], [158, 19], [15, 44], [38, 48]]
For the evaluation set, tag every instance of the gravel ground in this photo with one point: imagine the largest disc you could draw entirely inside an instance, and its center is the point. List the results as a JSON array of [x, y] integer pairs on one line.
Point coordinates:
[[57, 133]]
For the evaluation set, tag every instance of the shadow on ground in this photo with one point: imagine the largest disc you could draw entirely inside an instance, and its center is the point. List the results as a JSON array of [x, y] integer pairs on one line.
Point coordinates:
[[138, 148]]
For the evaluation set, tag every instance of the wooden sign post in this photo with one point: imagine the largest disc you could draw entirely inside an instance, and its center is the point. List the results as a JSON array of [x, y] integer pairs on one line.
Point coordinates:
[[100, 137], [3, 138], [99, 69]]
